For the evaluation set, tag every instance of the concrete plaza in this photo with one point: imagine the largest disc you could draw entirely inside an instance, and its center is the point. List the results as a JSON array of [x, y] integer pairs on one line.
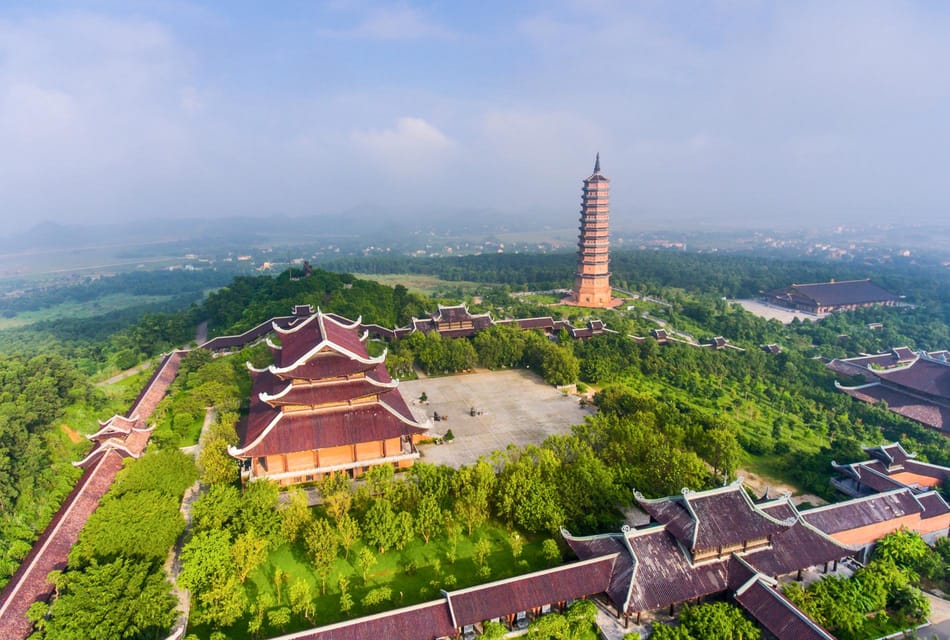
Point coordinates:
[[512, 407]]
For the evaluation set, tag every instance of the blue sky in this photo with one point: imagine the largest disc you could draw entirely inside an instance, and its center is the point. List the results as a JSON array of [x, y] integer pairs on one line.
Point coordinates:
[[745, 112]]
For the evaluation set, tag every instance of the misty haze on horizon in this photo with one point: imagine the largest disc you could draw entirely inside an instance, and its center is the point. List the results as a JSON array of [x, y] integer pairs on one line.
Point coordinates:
[[726, 113]]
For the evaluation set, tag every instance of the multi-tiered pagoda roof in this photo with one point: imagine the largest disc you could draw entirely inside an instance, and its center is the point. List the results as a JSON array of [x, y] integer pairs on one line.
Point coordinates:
[[323, 391]]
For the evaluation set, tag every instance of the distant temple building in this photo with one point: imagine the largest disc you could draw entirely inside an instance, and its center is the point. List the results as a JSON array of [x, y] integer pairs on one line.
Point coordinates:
[[325, 405], [592, 281], [827, 297], [914, 385]]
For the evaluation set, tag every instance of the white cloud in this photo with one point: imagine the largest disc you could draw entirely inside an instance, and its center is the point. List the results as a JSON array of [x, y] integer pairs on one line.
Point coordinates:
[[413, 147]]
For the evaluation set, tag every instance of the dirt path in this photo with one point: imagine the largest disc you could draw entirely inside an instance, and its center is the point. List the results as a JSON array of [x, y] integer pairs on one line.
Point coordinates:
[[173, 563], [128, 373], [759, 484]]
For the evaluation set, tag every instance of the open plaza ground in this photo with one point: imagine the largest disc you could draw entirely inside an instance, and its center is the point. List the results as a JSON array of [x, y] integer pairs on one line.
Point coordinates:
[[771, 312], [511, 407]]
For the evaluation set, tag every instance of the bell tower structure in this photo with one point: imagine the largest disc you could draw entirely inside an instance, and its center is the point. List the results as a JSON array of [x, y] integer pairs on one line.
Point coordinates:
[[592, 280]]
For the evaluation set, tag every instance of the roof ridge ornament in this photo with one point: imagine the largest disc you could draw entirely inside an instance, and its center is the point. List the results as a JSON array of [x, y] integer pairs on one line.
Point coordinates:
[[597, 163]]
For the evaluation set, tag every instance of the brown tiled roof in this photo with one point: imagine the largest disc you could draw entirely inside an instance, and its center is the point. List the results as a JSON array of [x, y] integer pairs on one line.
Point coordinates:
[[420, 622], [533, 323], [313, 394], [776, 613], [862, 512], [845, 292], [329, 366], [304, 337], [663, 575], [928, 414], [923, 376], [496, 599], [308, 430], [797, 547], [710, 519], [602, 545], [933, 504], [889, 454]]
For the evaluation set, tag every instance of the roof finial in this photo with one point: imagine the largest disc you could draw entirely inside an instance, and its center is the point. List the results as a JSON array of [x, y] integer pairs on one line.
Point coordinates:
[[597, 163]]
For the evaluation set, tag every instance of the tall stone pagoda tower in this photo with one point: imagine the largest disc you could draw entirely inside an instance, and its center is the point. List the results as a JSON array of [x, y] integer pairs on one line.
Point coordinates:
[[592, 281]]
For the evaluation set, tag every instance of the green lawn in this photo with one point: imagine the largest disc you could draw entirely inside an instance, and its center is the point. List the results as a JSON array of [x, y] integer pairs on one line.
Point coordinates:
[[432, 572], [420, 283]]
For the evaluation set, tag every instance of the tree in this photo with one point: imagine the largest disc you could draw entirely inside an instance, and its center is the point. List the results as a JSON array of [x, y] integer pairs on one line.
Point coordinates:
[[493, 630], [217, 508], [249, 552], [559, 366], [348, 532], [323, 545], [120, 599], [481, 551], [721, 449], [903, 547], [381, 524], [279, 617], [301, 599], [428, 518], [208, 571], [337, 494], [346, 600], [550, 551], [549, 627], [718, 621], [365, 561], [473, 487], [377, 596], [295, 517]]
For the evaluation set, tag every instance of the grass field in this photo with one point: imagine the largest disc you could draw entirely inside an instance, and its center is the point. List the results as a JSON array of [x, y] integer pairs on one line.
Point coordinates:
[[432, 572], [100, 306], [420, 283]]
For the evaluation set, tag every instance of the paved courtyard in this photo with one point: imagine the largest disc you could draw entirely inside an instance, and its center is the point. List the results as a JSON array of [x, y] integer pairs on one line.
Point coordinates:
[[771, 312], [516, 407]]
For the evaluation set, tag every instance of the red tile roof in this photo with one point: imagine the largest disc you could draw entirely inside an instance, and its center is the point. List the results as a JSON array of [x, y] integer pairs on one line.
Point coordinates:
[[776, 613], [497, 599], [861, 512], [308, 430], [420, 622]]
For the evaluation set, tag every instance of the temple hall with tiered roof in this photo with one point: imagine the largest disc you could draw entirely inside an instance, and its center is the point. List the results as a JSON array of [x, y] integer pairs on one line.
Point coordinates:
[[325, 405]]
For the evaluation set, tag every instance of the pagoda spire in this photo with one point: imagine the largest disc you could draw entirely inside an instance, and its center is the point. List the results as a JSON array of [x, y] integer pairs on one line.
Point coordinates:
[[597, 163]]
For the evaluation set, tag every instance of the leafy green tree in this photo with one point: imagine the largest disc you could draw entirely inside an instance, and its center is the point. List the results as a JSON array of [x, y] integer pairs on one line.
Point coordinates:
[[346, 600], [381, 525], [377, 596], [348, 532], [559, 366], [903, 547], [217, 466], [295, 516], [218, 508], [365, 561], [718, 621], [324, 546], [337, 494], [428, 518], [142, 524], [549, 627], [550, 551], [301, 599], [249, 552], [279, 618], [120, 599], [493, 630], [473, 486]]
